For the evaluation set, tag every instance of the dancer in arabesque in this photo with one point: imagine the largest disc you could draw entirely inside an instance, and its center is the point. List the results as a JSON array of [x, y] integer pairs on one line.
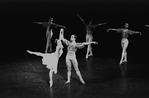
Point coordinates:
[[51, 59]]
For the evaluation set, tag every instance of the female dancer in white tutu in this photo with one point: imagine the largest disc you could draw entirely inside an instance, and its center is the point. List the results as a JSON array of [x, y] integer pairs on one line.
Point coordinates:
[[89, 35], [51, 59], [71, 55], [124, 42]]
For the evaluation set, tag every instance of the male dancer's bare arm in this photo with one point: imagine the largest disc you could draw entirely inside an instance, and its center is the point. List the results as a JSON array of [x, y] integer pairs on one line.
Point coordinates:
[[87, 43]]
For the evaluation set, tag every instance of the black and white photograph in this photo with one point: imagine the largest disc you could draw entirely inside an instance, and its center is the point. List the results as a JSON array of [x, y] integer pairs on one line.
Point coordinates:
[[74, 48]]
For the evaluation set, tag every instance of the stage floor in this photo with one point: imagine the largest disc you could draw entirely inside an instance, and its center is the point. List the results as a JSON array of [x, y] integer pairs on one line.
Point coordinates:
[[26, 77]]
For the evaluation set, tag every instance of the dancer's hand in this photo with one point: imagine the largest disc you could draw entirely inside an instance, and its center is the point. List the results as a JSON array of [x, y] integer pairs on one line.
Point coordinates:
[[108, 30], [95, 42], [29, 51]]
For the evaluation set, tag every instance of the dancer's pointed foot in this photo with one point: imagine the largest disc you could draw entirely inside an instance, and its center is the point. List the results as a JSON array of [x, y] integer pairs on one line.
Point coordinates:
[[55, 71], [51, 83], [86, 56], [82, 81], [121, 62], [67, 82]]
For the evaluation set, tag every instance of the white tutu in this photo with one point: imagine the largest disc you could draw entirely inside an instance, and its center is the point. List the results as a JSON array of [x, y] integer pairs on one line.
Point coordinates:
[[51, 61]]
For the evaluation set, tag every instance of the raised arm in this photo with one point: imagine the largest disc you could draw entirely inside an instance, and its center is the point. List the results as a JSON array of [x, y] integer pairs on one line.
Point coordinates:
[[82, 19], [36, 53], [62, 37]]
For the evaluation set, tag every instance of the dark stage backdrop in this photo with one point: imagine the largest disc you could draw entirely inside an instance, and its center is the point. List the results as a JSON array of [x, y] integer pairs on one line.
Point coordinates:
[[18, 33]]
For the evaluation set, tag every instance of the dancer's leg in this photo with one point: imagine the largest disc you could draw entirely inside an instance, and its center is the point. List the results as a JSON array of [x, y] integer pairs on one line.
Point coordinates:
[[125, 48], [49, 44], [51, 76], [90, 47], [122, 56], [91, 53], [75, 64], [68, 63], [88, 50], [124, 53]]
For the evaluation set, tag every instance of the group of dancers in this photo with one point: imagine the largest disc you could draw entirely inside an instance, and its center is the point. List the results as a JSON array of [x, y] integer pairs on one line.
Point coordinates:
[[51, 59]]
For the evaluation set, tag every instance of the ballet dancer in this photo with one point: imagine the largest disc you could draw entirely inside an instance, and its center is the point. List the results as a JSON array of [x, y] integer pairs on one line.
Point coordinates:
[[89, 36], [49, 25], [51, 59], [71, 55], [124, 42]]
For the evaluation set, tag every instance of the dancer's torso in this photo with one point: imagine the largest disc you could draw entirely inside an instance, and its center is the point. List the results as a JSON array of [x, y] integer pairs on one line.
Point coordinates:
[[125, 33], [71, 49]]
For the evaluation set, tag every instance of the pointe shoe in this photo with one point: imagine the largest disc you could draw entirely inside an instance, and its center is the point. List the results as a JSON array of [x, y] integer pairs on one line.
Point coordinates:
[[82, 81], [86, 56], [67, 82], [51, 83], [120, 62], [55, 72]]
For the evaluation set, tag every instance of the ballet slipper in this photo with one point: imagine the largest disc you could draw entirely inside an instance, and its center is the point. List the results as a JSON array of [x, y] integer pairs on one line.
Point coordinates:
[[82, 81], [55, 71], [86, 56], [120, 62], [67, 82]]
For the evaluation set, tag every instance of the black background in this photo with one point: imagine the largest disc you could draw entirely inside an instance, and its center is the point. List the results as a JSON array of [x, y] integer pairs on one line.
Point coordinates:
[[18, 32]]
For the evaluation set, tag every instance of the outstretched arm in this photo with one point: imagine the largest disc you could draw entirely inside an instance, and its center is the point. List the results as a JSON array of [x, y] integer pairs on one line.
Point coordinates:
[[35, 53], [94, 26], [82, 19], [57, 25], [41, 23], [81, 45], [118, 30], [134, 32], [87, 43]]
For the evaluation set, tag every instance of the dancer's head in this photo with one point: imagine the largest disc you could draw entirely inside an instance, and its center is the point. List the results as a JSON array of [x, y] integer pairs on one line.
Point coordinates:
[[126, 25], [51, 19], [58, 42], [73, 37], [90, 23]]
